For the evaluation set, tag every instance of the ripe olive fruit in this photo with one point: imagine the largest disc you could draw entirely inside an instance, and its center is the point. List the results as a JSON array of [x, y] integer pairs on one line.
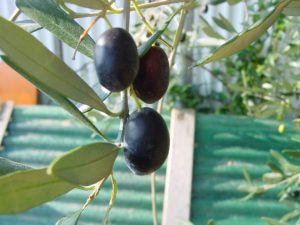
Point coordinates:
[[146, 141], [116, 59], [152, 80]]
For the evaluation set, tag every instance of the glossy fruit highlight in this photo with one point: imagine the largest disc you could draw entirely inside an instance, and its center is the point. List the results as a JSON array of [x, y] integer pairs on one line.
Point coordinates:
[[152, 80], [116, 59], [147, 141]]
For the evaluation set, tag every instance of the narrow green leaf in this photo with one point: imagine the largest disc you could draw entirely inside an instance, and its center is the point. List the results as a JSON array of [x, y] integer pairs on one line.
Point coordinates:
[[49, 15], [35, 59], [8, 166], [85, 165], [24, 190], [61, 100], [292, 153], [209, 30], [271, 221], [224, 23], [71, 219], [92, 4], [245, 38]]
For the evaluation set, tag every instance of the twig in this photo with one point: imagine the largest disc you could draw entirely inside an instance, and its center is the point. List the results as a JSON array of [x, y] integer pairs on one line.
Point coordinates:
[[15, 15]]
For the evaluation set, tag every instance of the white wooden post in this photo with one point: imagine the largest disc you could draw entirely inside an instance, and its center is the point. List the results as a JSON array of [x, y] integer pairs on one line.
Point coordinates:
[[177, 197]]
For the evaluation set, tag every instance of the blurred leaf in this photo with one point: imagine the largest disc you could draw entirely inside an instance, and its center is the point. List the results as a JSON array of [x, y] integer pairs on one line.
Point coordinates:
[[211, 222], [247, 176], [216, 2], [245, 38], [224, 23], [71, 219], [85, 165], [272, 178], [271, 221], [292, 153], [142, 50], [275, 167], [60, 99], [286, 165], [29, 25], [92, 4], [233, 2], [8, 166], [49, 15], [45, 67], [24, 190], [208, 30]]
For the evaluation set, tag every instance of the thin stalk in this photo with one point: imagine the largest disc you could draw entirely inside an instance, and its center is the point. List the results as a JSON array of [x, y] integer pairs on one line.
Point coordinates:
[[85, 33], [124, 94], [147, 24], [15, 15], [95, 193], [112, 10], [177, 37]]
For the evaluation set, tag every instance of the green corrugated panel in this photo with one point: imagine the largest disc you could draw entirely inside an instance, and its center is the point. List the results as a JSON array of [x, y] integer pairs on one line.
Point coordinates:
[[37, 135], [225, 145]]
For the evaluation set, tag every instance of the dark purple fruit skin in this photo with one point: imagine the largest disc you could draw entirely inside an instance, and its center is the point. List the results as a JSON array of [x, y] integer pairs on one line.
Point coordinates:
[[147, 141], [152, 80], [116, 59]]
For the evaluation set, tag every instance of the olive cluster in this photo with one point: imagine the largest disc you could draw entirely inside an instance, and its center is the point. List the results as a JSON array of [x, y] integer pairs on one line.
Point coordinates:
[[146, 136]]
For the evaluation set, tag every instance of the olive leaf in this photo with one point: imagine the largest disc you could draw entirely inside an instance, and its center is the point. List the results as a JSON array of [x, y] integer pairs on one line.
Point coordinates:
[[32, 57], [292, 153], [8, 166], [85, 165], [242, 40], [60, 99], [271, 221], [24, 190], [92, 4], [71, 219], [209, 30], [49, 15], [224, 23]]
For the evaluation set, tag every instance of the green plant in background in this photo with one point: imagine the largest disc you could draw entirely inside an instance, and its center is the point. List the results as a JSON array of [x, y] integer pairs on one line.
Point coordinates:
[[89, 166]]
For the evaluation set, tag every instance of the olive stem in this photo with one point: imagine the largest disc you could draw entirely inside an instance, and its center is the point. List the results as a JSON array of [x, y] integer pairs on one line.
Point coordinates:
[[15, 15], [96, 191], [136, 100], [177, 37], [86, 31], [147, 24], [124, 94], [112, 10]]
